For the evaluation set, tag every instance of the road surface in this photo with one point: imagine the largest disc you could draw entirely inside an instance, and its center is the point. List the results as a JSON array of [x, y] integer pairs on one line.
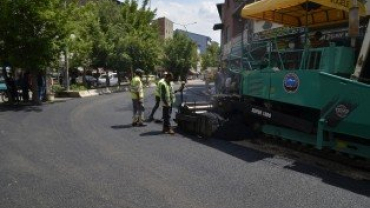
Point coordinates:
[[84, 153]]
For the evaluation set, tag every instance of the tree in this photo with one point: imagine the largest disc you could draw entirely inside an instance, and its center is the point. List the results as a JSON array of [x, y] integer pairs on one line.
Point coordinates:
[[211, 56], [180, 54], [125, 37], [83, 25], [137, 45], [31, 34]]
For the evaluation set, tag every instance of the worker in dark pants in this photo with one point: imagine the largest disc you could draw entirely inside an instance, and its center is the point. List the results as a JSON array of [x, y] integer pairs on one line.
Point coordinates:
[[157, 99], [168, 99]]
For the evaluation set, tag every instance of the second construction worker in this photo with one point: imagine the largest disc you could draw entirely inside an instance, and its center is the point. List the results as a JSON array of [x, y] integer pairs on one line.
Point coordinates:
[[168, 98], [157, 98], [137, 95]]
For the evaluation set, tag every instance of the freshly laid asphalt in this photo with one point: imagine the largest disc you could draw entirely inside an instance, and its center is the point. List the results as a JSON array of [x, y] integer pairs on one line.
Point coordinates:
[[84, 153]]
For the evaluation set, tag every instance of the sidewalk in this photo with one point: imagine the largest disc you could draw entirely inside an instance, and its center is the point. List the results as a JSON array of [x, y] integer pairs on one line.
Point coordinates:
[[65, 96]]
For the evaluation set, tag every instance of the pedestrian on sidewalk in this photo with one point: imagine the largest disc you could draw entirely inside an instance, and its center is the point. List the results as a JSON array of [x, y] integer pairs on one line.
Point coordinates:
[[137, 95], [41, 83], [168, 99]]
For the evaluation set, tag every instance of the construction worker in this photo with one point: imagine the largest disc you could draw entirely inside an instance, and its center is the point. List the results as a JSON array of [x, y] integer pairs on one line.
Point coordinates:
[[168, 99], [157, 98], [137, 95]]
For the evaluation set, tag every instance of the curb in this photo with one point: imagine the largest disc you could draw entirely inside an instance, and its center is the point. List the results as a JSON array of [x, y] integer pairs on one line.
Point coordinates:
[[93, 92]]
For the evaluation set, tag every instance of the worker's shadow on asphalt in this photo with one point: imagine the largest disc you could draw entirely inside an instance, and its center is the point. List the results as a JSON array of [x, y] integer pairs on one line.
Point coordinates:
[[227, 146], [20, 108], [152, 133], [129, 126], [126, 126]]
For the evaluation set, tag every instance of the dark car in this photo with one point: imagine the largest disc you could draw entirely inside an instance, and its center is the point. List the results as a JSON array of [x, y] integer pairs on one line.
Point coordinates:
[[90, 81]]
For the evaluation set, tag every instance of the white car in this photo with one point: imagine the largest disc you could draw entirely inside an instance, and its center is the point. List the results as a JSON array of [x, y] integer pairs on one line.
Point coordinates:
[[113, 79]]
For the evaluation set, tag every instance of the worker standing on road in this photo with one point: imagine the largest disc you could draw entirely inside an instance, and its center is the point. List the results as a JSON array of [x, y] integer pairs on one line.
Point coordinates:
[[137, 95], [157, 98], [168, 99]]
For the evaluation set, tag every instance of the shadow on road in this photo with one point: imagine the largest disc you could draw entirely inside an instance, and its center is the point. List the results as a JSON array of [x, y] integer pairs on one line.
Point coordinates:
[[126, 126], [152, 133], [251, 155], [353, 185], [235, 150], [19, 108]]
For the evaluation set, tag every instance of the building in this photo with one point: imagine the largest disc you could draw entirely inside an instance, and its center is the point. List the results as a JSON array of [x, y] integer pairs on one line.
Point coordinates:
[[202, 41], [165, 27], [234, 29]]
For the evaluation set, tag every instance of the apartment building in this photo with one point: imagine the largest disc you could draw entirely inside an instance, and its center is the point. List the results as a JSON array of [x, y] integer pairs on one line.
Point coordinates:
[[233, 28], [202, 41], [165, 27]]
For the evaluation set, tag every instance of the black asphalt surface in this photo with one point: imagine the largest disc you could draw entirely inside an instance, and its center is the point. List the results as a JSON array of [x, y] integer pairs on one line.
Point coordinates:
[[83, 153]]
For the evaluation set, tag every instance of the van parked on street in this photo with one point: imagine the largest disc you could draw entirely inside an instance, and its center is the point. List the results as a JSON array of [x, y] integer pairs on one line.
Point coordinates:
[[113, 79]]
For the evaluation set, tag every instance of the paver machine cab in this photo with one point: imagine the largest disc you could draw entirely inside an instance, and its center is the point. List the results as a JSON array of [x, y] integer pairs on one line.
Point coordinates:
[[297, 89]]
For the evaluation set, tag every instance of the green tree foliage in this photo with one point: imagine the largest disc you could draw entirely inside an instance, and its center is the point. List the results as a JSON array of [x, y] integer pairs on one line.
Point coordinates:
[[211, 57], [135, 38], [180, 54], [122, 36], [106, 34], [82, 27], [31, 33]]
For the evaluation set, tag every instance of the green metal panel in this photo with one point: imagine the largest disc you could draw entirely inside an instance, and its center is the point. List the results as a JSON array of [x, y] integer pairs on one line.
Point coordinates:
[[348, 102], [269, 83], [256, 83], [306, 94], [290, 134], [337, 60]]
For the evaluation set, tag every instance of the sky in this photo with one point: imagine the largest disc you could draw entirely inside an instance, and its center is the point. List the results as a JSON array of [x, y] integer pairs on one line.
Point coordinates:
[[184, 14]]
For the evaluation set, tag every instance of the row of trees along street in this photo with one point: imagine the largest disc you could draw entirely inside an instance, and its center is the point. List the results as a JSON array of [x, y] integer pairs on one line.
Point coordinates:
[[105, 35]]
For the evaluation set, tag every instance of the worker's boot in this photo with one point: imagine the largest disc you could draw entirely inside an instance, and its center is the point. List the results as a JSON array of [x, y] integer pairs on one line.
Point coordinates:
[[135, 120], [168, 130], [150, 119]]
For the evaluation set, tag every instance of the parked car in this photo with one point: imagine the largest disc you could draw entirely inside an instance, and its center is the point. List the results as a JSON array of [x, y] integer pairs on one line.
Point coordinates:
[[90, 81], [113, 79]]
